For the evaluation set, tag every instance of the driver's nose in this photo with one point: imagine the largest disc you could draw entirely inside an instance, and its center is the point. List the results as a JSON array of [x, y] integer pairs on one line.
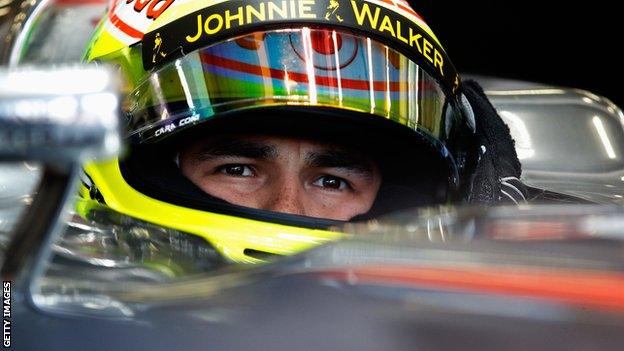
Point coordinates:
[[286, 198]]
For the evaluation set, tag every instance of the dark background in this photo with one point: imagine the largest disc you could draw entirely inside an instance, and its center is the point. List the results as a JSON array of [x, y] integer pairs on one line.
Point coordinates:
[[575, 44]]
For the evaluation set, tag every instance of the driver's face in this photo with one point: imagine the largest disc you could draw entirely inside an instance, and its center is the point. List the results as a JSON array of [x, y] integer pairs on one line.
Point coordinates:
[[283, 174]]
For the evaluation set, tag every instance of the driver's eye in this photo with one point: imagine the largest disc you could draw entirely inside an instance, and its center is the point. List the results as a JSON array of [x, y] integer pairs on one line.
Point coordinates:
[[331, 182], [236, 170]]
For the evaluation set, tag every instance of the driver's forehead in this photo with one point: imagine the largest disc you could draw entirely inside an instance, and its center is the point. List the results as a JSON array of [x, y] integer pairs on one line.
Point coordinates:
[[275, 148], [265, 146], [266, 138]]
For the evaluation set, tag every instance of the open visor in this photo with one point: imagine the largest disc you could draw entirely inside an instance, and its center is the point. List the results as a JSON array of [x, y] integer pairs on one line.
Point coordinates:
[[301, 67]]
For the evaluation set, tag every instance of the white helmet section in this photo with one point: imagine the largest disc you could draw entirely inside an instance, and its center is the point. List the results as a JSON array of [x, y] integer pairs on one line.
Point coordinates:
[[128, 20]]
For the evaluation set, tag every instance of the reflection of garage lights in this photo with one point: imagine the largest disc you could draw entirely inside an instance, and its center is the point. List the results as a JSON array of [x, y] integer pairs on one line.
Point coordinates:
[[337, 59], [602, 133], [519, 133], [526, 92], [75, 81], [64, 108], [306, 35], [370, 74], [155, 81], [185, 86], [588, 100], [100, 103]]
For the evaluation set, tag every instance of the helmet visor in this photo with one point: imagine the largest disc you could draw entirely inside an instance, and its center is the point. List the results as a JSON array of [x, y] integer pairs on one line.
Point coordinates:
[[301, 67]]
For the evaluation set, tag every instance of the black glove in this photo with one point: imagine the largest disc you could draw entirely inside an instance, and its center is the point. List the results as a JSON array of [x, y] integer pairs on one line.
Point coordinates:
[[497, 174]]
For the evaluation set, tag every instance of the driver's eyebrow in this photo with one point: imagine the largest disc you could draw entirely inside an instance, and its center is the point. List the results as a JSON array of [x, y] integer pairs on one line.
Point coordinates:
[[339, 158], [237, 148]]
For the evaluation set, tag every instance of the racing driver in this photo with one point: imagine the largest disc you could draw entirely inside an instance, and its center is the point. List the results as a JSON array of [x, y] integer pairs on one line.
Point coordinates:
[[259, 124]]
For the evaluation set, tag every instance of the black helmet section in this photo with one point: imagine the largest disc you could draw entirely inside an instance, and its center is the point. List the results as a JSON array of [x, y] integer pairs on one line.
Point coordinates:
[[416, 171]]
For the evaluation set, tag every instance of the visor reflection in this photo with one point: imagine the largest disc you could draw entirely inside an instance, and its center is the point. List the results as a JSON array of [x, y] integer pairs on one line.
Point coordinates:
[[305, 67]]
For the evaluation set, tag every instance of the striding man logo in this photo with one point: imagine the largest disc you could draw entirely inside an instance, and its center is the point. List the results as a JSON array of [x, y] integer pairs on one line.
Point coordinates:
[[157, 46], [331, 10]]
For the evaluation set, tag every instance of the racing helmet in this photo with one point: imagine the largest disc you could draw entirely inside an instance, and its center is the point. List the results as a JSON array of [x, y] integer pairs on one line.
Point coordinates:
[[367, 73]]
